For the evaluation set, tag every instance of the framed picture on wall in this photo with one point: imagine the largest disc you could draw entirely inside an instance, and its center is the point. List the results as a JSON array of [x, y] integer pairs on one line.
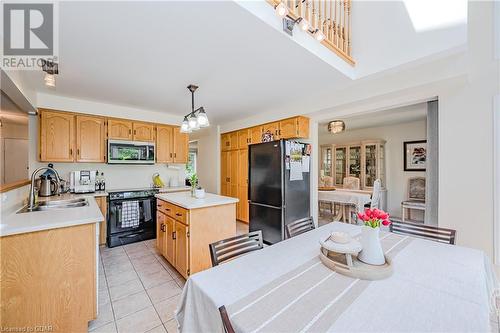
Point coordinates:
[[415, 155]]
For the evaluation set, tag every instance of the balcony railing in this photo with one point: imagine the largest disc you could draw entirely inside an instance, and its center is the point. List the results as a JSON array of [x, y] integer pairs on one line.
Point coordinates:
[[331, 17]]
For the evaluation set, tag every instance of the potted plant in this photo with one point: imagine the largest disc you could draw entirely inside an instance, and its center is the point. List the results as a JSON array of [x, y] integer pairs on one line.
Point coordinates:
[[193, 180], [372, 252]]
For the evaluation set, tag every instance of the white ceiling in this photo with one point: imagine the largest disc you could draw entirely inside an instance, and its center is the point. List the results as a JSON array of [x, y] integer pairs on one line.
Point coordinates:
[[144, 54], [394, 116]]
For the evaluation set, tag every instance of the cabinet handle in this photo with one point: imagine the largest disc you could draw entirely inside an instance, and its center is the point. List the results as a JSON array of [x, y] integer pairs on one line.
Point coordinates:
[[135, 132], [276, 132], [167, 209], [170, 154], [279, 132], [129, 131], [78, 151], [71, 151], [175, 155], [178, 214], [174, 236]]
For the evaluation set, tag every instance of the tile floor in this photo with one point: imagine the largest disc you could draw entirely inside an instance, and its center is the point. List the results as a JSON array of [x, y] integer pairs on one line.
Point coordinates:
[[138, 289]]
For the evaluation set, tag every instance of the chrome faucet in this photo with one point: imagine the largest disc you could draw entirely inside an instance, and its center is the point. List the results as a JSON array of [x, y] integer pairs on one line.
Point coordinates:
[[31, 199]]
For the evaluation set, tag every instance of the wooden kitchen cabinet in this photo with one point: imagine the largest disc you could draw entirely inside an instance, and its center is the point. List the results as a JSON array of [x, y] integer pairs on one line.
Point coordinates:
[[120, 129], [143, 131], [225, 143], [181, 248], [297, 127], [90, 139], [273, 128], [185, 245], [160, 232], [103, 206], [256, 134], [57, 136], [49, 277], [233, 140], [164, 144], [180, 148], [243, 139]]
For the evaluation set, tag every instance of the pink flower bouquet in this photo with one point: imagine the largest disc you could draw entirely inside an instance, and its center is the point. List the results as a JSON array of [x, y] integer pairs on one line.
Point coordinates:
[[374, 217]]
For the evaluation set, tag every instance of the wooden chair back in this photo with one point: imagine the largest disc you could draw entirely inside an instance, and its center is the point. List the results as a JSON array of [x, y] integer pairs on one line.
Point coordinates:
[[416, 188], [300, 226], [230, 248], [420, 230], [228, 328]]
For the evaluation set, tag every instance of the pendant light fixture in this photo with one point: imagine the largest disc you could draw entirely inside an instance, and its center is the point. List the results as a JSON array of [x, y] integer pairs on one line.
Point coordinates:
[[336, 126], [51, 69], [196, 119]]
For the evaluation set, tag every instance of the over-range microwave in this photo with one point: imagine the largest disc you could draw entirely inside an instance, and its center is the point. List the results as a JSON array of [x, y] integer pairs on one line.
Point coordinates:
[[131, 152]]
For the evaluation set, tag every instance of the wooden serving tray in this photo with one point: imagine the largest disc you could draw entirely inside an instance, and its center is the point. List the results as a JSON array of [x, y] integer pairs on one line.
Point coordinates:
[[359, 270], [326, 188]]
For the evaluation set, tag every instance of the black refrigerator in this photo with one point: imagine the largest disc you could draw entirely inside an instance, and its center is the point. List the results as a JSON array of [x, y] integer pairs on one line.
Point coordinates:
[[274, 199]]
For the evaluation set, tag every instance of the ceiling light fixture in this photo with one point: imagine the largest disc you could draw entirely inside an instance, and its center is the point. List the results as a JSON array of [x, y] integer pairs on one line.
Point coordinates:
[[196, 119], [51, 69], [336, 126], [319, 35], [303, 24], [281, 10]]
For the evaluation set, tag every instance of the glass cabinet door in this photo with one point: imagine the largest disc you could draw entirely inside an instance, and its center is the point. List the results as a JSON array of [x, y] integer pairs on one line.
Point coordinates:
[[326, 161], [355, 161], [340, 165], [370, 164]]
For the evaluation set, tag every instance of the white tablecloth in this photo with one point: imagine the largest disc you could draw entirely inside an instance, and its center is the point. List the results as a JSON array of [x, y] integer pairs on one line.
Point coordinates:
[[345, 196], [434, 287]]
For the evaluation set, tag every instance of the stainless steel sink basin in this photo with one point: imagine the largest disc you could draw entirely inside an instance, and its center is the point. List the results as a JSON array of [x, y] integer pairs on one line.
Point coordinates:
[[56, 204]]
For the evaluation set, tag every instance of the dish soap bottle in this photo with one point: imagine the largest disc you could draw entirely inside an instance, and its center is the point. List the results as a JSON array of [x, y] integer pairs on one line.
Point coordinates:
[[103, 182], [97, 181]]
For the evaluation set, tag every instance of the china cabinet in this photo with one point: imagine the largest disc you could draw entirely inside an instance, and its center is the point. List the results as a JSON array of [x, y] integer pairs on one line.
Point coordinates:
[[364, 160]]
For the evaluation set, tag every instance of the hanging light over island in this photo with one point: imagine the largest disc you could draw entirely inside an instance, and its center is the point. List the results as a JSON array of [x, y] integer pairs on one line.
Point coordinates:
[[196, 119]]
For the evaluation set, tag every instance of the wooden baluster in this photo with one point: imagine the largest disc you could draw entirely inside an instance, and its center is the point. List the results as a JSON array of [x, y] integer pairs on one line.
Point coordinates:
[[307, 13], [313, 15], [320, 17], [299, 9], [349, 28], [341, 24], [325, 20], [336, 24]]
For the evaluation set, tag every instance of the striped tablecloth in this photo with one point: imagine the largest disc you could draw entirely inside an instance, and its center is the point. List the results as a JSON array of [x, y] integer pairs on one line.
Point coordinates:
[[285, 288]]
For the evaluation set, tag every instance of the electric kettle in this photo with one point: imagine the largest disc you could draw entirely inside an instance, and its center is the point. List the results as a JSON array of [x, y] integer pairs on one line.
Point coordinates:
[[48, 186]]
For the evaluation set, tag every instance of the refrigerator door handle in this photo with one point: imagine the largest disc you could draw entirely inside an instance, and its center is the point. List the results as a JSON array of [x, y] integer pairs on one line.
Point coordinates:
[[264, 205]]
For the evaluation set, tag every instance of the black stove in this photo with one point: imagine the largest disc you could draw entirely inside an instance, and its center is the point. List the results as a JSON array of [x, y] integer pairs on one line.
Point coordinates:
[[131, 216]]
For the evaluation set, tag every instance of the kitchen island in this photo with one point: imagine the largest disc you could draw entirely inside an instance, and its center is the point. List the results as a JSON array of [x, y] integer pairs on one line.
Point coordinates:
[[185, 226]]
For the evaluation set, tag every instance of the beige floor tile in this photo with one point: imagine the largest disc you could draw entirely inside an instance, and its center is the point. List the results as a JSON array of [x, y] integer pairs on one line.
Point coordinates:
[[180, 282], [125, 289], [120, 278], [144, 260], [171, 326], [158, 329], [150, 280], [151, 243], [130, 304], [139, 322], [103, 297], [105, 316], [163, 291], [113, 261], [138, 253], [166, 308], [149, 268], [135, 246], [108, 328]]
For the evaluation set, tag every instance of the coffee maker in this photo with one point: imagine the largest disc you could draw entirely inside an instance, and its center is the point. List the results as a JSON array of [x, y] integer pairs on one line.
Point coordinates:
[[82, 181]]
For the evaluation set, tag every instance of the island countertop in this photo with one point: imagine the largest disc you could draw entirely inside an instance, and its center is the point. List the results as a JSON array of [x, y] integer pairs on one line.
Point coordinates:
[[185, 200]]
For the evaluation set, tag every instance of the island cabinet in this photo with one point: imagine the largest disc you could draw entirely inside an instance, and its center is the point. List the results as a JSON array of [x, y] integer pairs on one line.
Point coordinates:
[[49, 279], [186, 226]]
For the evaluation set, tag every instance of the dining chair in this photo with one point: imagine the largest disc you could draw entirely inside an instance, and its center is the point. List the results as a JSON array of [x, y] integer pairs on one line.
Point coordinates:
[[228, 328], [300, 226], [421, 230], [351, 183], [416, 197], [233, 247]]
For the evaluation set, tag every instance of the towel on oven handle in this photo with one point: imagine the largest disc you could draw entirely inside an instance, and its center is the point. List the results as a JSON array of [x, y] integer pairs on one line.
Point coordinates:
[[130, 214]]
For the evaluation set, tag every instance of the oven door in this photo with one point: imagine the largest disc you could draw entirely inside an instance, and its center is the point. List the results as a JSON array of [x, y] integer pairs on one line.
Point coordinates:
[[130, 152], [147, 215]]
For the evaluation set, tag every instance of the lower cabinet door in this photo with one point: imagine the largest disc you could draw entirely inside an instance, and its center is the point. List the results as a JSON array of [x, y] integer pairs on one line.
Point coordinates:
[[160, 234], [181, 249], [169, 240]]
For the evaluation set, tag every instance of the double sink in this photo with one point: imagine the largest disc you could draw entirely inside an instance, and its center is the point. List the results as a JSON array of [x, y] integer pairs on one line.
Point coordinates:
[[56, 204]]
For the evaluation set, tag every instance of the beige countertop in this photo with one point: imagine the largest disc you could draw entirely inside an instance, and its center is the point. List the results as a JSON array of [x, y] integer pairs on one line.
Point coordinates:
[[13, 223], [185, 200]]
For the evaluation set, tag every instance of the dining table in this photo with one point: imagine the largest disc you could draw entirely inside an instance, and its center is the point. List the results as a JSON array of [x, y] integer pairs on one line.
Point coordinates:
[[286, 288], [347, 198]]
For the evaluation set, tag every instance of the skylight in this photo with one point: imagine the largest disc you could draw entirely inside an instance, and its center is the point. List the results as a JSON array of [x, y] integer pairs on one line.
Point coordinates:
[[434, 14]]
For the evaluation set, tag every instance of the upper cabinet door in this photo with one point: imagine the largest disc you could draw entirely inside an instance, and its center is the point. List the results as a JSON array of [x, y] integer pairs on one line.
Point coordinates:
[[273, 128], [144, 132], [120, 129], [233, 140], [90, 139], [243, 138], [288, 128], [57, 132], [181, 142], [225, 144], [164, 144], [256, 134]]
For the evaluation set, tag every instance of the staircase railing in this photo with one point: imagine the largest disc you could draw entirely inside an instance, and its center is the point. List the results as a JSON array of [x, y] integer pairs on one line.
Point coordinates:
[[331, 17]]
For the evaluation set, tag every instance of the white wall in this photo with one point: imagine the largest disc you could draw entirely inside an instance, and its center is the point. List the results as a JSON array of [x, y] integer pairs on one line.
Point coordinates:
[[394, 135], [207, 165]]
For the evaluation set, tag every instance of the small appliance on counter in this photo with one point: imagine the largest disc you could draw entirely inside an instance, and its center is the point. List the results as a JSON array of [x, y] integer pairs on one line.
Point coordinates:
[[47, 186], [82, 181]]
